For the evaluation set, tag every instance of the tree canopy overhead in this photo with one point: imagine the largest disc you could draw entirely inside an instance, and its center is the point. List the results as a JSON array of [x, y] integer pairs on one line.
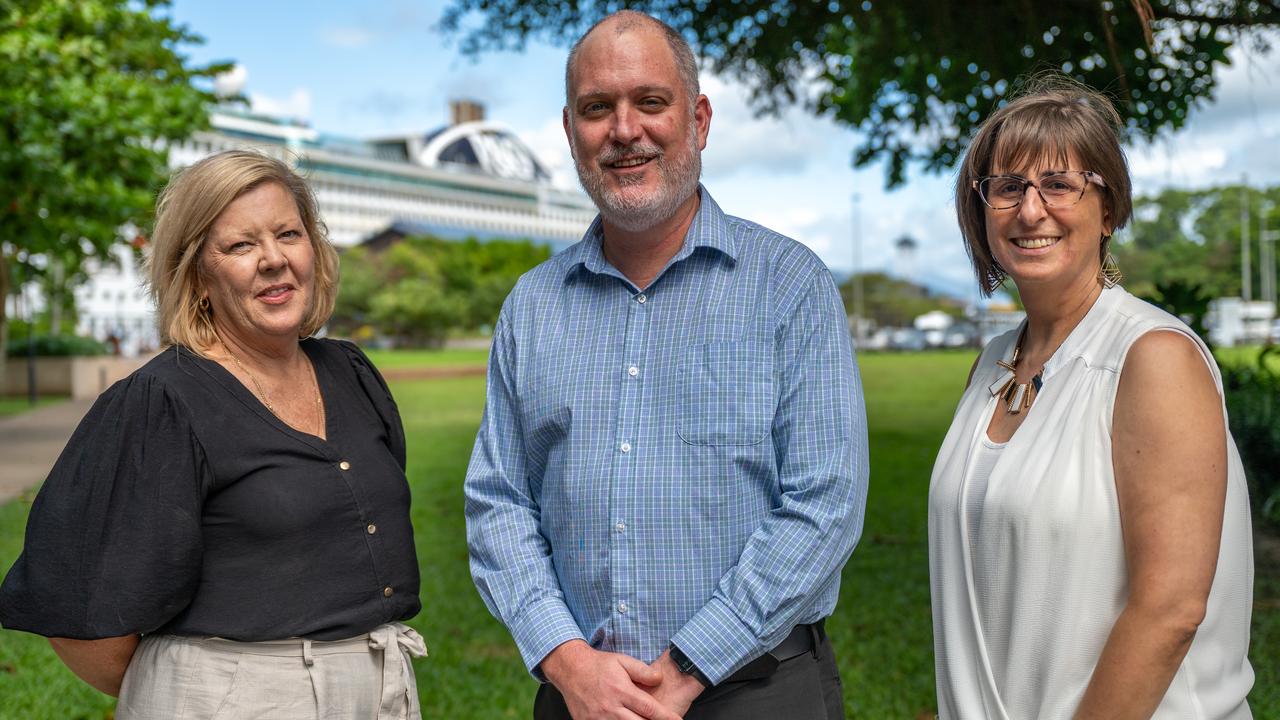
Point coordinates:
[[91, 93], [916, 76]]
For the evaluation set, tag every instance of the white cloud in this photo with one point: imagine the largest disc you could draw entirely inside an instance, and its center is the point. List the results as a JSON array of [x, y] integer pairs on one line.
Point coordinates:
[[806, 223], [1237, 134], [346, 37], [1163, 164], [296, 106], [230, 82], [548, 144], [740, 142], [1248, 93]]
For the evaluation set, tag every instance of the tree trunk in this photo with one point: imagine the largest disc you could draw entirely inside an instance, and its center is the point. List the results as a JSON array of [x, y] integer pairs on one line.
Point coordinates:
[[57, 290], [4, 304]]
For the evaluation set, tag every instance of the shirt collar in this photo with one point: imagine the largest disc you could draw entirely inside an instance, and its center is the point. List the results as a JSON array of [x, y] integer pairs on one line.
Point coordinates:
[[1078, 340], [710, 229], [1074, 344]]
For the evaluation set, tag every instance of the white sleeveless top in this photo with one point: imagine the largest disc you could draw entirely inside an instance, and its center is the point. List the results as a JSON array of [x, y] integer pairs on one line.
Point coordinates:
[[1023, 603]]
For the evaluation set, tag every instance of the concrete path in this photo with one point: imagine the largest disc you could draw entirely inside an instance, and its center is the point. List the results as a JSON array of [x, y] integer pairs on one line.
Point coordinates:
[[31, 441]]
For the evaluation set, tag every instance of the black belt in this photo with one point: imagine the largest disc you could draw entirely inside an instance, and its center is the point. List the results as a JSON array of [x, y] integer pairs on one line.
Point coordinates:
[[803, 639]]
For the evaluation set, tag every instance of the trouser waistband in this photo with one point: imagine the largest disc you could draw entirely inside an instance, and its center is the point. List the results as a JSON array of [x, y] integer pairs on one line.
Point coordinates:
[[802, 639], [381, 638], [289, 647]]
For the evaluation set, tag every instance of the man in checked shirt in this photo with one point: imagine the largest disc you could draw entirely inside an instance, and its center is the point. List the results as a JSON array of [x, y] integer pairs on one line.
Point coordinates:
[[672, 466]]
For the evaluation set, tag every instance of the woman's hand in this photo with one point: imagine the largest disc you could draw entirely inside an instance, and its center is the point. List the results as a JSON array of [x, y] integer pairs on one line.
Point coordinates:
[[101, 663], [1169, 451]]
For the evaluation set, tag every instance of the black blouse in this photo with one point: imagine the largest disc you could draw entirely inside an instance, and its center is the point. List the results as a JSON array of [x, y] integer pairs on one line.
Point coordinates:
[[182, 505]]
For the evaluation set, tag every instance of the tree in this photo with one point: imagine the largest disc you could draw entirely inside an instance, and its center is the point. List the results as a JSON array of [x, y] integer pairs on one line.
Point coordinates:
[[894, 302], [1182, 248], [916, 76], [91, 93], [485, 272], [400, 291], [420, 289]]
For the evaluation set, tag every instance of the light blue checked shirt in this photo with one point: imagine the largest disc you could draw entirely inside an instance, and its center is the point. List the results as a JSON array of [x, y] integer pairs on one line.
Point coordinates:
[[686, 463]]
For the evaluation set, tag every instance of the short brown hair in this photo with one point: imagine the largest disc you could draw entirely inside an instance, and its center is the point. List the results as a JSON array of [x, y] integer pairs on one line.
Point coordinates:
[[1053, 117], [187, 209]]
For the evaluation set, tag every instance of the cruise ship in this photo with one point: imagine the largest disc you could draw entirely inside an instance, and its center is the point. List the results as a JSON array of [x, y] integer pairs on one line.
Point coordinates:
[[471, 178]]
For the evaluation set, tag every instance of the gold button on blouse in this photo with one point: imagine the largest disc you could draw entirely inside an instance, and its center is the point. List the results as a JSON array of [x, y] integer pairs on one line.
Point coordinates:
[[344, 465], [386, 591], [372, 528]]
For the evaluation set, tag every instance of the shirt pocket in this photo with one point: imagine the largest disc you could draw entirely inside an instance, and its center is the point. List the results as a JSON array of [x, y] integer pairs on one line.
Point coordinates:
[[726, 393]]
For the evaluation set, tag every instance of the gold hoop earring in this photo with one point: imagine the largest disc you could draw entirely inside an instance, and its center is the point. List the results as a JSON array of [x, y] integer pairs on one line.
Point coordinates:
[[1109, 274], [203, 304]]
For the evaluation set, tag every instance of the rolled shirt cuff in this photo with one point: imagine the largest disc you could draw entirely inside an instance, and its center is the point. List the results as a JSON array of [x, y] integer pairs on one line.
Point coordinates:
[[717, 641], [541, 628]]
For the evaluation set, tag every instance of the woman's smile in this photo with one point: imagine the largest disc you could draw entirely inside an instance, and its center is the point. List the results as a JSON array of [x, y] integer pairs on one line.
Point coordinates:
[[1033, 243]]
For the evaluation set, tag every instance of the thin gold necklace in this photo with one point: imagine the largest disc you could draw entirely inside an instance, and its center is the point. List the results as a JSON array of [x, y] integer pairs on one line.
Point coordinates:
[[266, 400], [1015, 395]]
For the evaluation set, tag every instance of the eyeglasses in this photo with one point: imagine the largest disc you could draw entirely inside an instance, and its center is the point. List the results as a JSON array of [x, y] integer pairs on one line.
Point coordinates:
[[1059, 190]]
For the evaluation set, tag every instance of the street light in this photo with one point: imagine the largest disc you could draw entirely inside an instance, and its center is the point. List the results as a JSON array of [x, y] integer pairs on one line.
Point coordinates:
[[29, 311], [1246, 273], [1267, 255]]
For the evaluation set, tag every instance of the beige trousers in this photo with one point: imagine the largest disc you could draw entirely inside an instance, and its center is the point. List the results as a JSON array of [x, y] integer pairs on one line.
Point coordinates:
[[188, 678]]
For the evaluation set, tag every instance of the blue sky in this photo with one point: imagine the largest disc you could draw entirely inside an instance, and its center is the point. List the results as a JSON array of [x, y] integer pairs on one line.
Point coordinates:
[[379, 68]]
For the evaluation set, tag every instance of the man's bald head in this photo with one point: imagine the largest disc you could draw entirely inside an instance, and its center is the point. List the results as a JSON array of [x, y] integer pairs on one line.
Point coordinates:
[[625, 21]]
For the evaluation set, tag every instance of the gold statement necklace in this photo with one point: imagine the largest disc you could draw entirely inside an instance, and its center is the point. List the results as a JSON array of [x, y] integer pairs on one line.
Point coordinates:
[[1015, 395], [266, 400]]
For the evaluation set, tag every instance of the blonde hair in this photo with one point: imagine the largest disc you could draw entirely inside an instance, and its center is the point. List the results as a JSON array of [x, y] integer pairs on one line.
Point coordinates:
[[1052, 118], [187, 209]]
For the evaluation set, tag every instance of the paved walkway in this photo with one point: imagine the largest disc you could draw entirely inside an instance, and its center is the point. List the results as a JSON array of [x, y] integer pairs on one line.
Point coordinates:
[[31, 441]]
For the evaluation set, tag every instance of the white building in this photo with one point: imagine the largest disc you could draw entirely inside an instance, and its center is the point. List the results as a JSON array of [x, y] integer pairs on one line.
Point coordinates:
[[114, 305], [473, 178], [1233, 321]]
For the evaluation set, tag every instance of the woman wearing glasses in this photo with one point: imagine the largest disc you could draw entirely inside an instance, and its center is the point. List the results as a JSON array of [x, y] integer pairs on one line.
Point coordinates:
[[1089, 533]]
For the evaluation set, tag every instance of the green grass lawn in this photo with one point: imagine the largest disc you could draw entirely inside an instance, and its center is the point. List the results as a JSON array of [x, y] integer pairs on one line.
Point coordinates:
[[881, 628], [1245, 355], [387, 359], [15, 405]]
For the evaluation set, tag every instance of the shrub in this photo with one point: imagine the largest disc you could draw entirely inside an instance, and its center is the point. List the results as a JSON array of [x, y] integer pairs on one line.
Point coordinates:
[[57, 346], [1253, 402]]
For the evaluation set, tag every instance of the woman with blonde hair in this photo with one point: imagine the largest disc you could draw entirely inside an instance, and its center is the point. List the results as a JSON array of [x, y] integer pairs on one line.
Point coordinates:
[[1089, 535], [227, 532]]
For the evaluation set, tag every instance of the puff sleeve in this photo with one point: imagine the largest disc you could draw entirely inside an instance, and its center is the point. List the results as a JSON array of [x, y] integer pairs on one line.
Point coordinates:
[[113, 543], [374, 387]]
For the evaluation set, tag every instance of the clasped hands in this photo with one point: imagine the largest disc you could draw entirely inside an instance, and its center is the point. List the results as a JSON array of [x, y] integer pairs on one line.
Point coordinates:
[[598, 684]]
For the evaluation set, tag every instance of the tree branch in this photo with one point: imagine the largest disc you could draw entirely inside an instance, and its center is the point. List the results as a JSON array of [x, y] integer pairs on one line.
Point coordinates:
[[1145, 16], [1114, 52]]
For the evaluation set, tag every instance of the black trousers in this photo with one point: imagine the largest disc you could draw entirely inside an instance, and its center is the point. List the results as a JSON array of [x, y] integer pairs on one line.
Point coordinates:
[[803, 688]]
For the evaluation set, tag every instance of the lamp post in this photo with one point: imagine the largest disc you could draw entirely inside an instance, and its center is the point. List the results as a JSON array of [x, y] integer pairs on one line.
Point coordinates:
[[1246, 272], [1267, 255], [31, 339]]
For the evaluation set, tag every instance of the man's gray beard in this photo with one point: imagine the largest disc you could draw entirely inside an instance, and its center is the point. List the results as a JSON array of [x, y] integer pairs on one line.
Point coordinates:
[[680, 180]]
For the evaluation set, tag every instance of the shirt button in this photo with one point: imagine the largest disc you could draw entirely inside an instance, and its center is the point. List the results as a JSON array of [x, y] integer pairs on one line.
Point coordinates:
[[641, 298], [622, 607], [621, 527], [371, 529], [387, 591], [344, 465], [625, 447], [633, 371]]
